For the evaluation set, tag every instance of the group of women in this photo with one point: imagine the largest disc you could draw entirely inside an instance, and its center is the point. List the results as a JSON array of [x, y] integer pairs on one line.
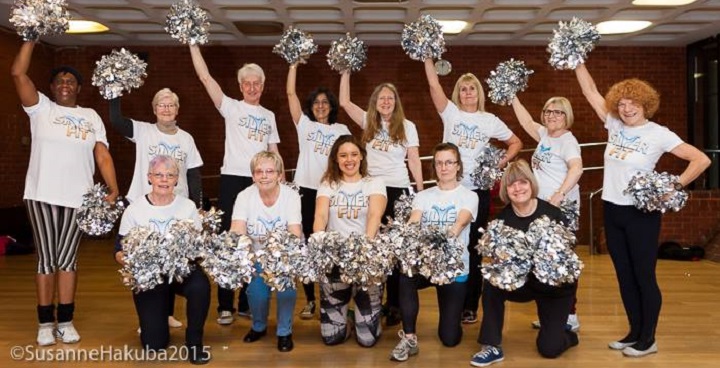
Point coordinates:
[[350, 186]]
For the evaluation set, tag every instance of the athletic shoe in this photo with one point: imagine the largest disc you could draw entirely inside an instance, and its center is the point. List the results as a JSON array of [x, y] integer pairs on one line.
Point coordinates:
[[488, 355], [469, 317], [46, 334], [407, 346], [620, 345], [308, 310], [67, 333], [573, 324], [225, 318], [245, 314]]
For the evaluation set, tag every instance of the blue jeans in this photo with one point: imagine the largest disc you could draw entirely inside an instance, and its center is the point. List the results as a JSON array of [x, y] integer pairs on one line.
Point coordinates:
[[259, 300]]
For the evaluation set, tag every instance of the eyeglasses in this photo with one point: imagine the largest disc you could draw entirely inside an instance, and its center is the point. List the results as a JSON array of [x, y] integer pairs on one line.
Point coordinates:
[[445, 163], [166, 106], [252, 84], [267, 172], [161, 175], [554, 113]]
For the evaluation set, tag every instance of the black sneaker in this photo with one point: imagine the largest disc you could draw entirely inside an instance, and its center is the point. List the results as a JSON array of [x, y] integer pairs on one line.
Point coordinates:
[[469, 317], [198, 355]]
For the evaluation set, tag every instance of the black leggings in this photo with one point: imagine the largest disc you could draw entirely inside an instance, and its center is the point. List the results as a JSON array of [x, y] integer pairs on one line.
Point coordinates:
[[475, 279], [450, 299], [230, 187], [151, 307], [307, 203], [632, 240]]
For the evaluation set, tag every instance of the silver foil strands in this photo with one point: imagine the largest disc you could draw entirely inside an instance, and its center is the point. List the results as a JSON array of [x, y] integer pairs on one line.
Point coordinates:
[[571, 211], [229, 260], [363, 261], [118, 72], [653, 191], [188, 23], [554, 261], [347, 54], [487, 172], [96, 216], [35, 18], [295, 46], [571, 43], [508, 256], [211, 220], [403, 207], [423, 39], [403, 239], [322, 251], [508, 78], [183, 244], [280, 259]]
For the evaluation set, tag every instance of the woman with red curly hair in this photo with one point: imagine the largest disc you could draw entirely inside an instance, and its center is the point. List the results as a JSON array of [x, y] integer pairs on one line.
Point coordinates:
[[635, 144]]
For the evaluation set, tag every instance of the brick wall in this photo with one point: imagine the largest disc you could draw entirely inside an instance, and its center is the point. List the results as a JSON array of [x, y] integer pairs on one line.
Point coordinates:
[[171, 67]]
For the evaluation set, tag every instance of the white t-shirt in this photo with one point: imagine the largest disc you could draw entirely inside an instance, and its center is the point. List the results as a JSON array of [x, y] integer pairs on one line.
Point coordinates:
[[315, 141], [158, 218], [62, 160], [150, 142], [442, 207], [349, 204], [631, 150], [471, 132], [549, 163], [261, 219], [249, 129], [386, 159]]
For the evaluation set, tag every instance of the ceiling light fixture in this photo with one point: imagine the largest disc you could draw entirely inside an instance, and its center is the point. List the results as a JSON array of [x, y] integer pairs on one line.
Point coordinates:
[[622, 26], [662, 2], [452, 26], [86, 26]]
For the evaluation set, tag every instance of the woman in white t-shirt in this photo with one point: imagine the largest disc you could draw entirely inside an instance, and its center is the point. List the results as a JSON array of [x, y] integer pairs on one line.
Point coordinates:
[[467, 125], [635, 144], [556, 162], [67, 142], [389, 140], [349, 201], [158, 210], [260, 209], [317, 129], [452, 207], [249, 129]]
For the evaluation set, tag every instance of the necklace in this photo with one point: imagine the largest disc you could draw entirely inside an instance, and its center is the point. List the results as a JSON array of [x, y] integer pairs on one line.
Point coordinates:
[[531, 209]]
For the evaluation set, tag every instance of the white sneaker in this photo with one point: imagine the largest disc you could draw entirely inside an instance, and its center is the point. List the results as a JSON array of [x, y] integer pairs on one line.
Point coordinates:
[[407, 347], [573, 322], [67, 333], [172, 322], [225, 318], [139, 330], [46, 336]]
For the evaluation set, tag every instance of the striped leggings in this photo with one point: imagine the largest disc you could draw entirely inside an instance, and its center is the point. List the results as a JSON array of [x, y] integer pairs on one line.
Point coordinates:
[[56, 234], [334, 300]]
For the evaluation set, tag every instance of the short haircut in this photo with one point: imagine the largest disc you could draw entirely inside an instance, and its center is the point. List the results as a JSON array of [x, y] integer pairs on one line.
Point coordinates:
[[447, 146], [268, 155], [639, 91], [64, 69], [563, 104], [250, 69], [517, 170], [164, 160], [166, 92]]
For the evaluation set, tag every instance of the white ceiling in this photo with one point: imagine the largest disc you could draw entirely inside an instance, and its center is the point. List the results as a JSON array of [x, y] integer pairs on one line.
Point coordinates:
[[490, 22]]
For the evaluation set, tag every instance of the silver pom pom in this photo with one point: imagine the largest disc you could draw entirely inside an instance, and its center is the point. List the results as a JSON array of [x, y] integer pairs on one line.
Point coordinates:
[[183, 244], [320, 256], [554, 261], [35, 18], [571, 211], [347, 54], [364, 262], [403, 207], [295, 46], [229, 260], [508, 256], [188, 23], [509, 78], [571, 43], [487, 172], [653, 191], [96, 216], [404, 240], [142, 259], [118, 72], [211, 220], [279, 259], [423, 39]]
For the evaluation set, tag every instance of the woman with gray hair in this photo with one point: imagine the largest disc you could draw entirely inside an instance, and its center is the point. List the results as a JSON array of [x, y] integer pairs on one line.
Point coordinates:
[[162, 138]]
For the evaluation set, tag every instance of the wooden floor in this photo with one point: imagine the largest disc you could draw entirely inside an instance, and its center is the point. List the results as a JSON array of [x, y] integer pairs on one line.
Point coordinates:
[[688, 334]]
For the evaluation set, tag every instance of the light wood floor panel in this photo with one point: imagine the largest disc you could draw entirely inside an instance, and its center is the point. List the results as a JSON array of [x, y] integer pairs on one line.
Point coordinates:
[[688, 334]]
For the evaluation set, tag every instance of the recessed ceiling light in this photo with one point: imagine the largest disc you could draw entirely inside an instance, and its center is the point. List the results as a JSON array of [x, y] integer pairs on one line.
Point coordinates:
[[86, 26], [622, 26], [452, 26], [662, 2]]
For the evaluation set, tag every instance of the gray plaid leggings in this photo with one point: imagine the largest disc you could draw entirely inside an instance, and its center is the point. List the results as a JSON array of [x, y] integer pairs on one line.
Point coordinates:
[[334, 300]]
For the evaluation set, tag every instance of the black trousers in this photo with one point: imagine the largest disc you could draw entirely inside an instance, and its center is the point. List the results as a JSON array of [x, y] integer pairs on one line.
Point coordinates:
[[230, 187], [553, 307], [475, 279], [632, 240], [450, 298], [151, 307], [307, 203], [392, 284]]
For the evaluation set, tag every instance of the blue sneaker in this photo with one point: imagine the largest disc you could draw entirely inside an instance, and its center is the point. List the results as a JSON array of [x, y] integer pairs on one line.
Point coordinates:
[[488, 355]]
